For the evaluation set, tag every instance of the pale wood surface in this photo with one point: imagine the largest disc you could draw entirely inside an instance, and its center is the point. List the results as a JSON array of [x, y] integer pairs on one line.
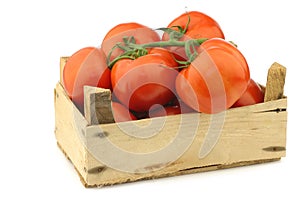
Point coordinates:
[[250, 135], [97, 105], [246, 134], [62, 63], [275, 82], [70, 128]]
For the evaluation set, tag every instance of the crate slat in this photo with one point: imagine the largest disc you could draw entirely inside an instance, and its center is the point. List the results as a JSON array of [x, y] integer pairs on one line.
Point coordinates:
[[245, 136], [275, 82]]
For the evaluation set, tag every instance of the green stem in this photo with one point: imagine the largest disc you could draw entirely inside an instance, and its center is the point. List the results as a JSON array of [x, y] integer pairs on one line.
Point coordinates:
[[168, 43]]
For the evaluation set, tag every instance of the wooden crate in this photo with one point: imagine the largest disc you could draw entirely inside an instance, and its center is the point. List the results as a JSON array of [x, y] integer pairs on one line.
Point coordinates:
[[104, 155]]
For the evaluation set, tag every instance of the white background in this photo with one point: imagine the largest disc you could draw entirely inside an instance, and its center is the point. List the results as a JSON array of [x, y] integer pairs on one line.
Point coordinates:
[[34, 34]]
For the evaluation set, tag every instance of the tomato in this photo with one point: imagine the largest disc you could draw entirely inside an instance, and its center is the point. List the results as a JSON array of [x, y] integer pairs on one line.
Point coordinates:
[[216, 79], [252, 95], [85, 67], [142, 34], [165, 54], [121, 113], [145, 81], [200, 26]]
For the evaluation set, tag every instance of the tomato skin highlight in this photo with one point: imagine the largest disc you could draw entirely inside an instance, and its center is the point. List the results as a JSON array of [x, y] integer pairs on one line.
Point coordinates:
[[252, 95], [200, 26], [216, 79], [148, 80], [88, 67], [142, 34], [121, 113]]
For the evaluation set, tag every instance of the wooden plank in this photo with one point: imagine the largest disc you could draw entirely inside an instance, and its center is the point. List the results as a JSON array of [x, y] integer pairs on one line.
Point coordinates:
[[275, 82], [97, 105], [249, 134], [63, 61], [182, 172], [70, 129]]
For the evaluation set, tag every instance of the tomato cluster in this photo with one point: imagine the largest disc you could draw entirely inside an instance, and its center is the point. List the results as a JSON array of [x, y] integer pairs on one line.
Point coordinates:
[[191, 68]]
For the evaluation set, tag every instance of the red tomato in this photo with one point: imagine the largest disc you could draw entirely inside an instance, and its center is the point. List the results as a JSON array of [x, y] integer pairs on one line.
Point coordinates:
[[121, 113], [216, 79], [85, 67], [166, 54], [200, 26], [141, 34], [145, 81], [252, 95]]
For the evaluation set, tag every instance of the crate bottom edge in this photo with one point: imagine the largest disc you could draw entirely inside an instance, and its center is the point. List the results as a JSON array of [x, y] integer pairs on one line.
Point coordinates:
[[177, 173]]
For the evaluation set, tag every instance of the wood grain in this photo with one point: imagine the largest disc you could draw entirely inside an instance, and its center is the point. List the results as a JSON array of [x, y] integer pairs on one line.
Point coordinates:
[[275, 82], [250, 134], [62, 63], [70, 128], [97, 105]]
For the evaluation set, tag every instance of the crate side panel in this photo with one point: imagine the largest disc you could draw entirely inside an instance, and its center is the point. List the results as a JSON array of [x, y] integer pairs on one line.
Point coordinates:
[[69, 124], [249, 134]]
